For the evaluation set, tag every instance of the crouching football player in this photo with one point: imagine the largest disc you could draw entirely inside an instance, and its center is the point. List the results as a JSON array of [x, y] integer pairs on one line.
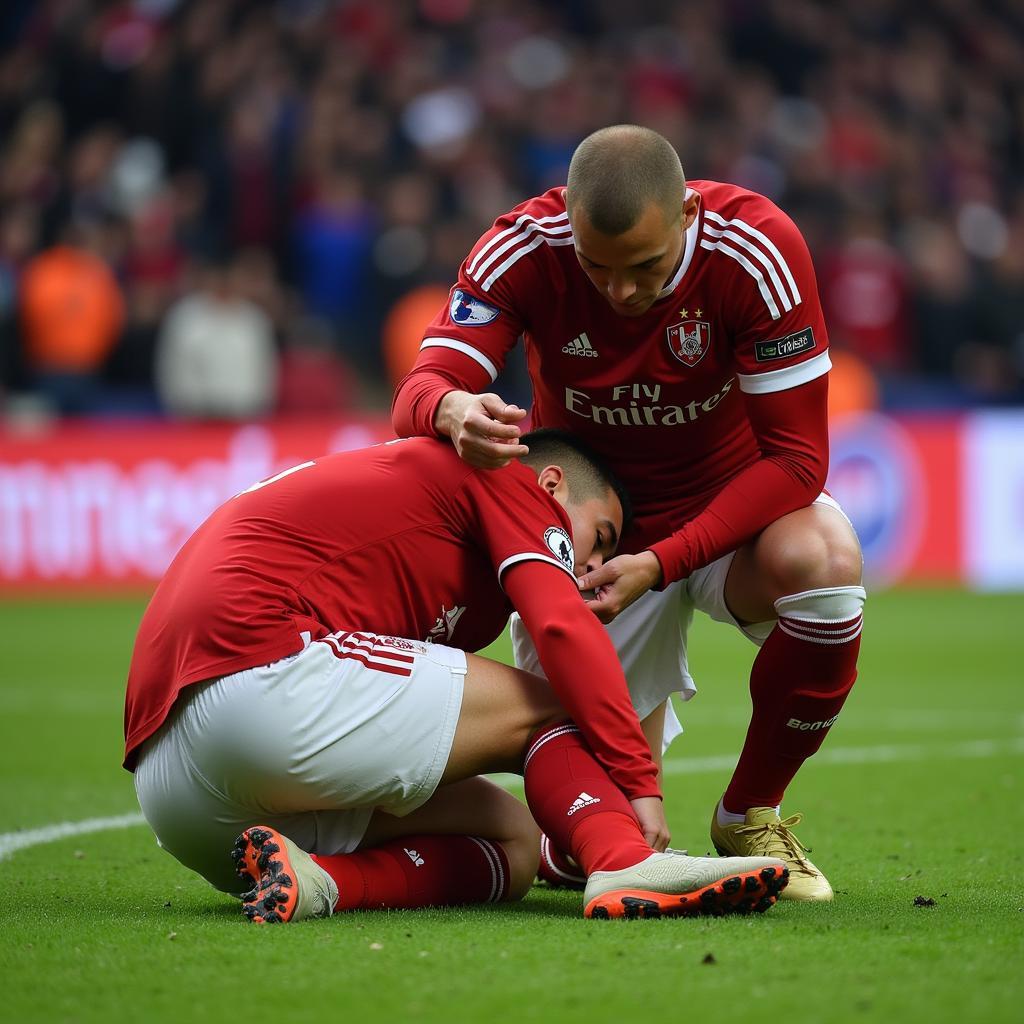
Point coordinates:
[[299, 682]]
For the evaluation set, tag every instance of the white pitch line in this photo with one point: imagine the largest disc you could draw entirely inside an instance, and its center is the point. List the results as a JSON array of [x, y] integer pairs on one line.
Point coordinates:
[[885, 754], [12, 842]]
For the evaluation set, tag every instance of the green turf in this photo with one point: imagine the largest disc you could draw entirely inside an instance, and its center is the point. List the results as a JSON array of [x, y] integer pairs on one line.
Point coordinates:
[[107, 927]]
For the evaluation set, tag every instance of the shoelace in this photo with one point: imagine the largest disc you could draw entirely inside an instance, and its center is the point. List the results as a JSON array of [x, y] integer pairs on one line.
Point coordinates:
[[774, 839]]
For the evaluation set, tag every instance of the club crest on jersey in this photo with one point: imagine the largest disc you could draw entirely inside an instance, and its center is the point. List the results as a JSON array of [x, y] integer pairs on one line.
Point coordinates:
[[689, 340], [560, 545], [469, 311]]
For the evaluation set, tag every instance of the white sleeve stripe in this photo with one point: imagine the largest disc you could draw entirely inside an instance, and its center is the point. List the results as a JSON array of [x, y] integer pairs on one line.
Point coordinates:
[[520, 253], [520, 221], [786, 377], [766, 292], [758, 253], [466, 350], [532, 556], [477, 273], [766, 241]]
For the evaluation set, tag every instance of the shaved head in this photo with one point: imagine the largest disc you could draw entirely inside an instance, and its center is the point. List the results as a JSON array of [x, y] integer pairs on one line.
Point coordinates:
[[617, 172]]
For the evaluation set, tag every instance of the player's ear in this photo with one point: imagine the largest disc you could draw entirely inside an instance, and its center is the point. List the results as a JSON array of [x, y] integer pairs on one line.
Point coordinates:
[[690, 207], [552, 479]]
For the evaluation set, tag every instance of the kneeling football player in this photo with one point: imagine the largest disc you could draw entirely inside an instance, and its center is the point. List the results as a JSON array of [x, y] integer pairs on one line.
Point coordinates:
[[300, 682]]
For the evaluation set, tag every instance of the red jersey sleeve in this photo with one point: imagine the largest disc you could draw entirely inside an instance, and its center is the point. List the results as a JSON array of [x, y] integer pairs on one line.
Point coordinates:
[[780, 352], [584, 672], [528, 536], [466, 344]]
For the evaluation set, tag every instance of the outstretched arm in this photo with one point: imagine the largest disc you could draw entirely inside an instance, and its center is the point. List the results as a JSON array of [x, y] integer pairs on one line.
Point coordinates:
[[582, 667], [791, 428]]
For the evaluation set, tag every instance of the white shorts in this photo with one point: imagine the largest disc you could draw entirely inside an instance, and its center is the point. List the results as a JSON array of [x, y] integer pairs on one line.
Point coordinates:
[[650, 636], [311, 745]]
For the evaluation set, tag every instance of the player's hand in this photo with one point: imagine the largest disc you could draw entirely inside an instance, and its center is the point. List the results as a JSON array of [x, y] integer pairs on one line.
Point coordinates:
[[651, 813], [619, 582], [483, 428]]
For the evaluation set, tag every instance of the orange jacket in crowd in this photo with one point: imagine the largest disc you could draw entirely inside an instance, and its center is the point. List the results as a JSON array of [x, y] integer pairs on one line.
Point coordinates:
[[71, 310]]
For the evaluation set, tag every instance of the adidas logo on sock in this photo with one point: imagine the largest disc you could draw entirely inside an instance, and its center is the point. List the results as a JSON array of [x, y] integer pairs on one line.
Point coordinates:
[[583, 800], [580, 346], [414, 856]]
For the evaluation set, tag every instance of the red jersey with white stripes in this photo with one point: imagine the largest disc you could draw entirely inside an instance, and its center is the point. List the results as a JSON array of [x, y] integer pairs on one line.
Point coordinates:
[[403, 539], [723, 372]]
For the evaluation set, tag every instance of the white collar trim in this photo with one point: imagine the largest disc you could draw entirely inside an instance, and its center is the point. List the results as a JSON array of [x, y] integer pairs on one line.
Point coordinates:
[[692, 232]]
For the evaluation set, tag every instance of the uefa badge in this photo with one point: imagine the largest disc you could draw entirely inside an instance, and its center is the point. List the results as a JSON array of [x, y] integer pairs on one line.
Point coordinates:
[[689, 341]]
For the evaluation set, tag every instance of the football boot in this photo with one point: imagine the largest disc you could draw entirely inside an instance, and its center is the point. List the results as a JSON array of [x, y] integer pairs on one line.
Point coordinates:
[[764, 834], [287, 884], [672, 884]]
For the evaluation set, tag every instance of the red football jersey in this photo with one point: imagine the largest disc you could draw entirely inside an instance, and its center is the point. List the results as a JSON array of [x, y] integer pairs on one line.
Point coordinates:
[[681, 400], [403, 539]]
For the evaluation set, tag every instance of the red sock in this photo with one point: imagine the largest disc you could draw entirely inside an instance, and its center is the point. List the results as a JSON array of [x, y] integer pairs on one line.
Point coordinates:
[[800, 680], [577, 805], [419, 871], [557, 868]]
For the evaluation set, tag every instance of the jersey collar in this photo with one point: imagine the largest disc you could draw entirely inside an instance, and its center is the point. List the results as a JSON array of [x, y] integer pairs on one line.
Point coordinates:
[[692, 234]]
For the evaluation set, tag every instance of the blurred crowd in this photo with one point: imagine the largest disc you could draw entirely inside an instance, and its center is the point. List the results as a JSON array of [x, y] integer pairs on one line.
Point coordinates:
[[227, 208]]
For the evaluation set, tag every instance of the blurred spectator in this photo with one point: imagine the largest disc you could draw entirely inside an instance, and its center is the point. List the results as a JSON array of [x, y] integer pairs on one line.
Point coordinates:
[[312, 378], [71, 316], [945, 311], [216, 356], [403, 329], [333, 239], [994, 364], [19, 235], [865, 295], [852, 387]]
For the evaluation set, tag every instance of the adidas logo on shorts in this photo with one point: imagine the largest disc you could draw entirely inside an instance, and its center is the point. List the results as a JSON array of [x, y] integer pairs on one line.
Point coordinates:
[[583, 800], [580, 346]]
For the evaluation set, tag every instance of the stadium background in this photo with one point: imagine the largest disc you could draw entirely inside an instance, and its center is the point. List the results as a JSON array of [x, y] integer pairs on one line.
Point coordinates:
[[222, 226], [220, 219]]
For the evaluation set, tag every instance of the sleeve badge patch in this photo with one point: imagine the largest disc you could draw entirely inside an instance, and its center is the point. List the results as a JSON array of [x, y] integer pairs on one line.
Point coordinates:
[[560, 545], [783, 348], [469, 311]]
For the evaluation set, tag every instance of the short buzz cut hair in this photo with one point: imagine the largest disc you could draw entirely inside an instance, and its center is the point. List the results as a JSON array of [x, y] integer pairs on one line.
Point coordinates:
[[587, 475], [617, 172]]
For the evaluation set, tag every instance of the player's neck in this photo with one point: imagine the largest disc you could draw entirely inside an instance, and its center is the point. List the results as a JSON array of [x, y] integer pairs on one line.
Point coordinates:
[[678, 263]]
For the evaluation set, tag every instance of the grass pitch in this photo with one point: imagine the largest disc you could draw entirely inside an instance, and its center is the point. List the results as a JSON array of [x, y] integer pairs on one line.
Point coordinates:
[[916, 798]]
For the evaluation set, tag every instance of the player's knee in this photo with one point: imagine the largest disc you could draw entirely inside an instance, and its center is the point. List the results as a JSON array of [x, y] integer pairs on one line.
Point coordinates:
[[814, 559]]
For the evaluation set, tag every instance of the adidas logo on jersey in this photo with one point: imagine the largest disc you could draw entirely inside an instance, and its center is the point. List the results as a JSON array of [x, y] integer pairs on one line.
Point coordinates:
[[583, 800], [580, 346]]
